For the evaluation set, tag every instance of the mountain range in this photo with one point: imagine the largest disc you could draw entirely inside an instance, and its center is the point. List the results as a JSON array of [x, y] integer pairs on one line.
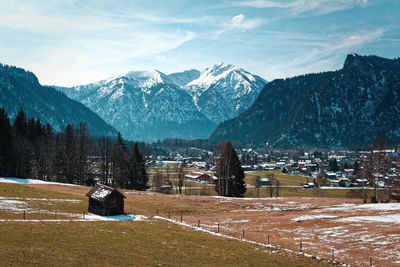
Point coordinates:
[[21, 89], [150, 105], [344, 108]]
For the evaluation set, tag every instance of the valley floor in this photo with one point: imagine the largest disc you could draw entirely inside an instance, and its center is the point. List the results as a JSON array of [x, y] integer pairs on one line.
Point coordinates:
[[351, 232]]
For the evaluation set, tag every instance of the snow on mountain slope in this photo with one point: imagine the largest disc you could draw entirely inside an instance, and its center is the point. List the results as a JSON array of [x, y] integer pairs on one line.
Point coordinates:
[[224, 91], [150, 106], [185, 77], [144, 106]]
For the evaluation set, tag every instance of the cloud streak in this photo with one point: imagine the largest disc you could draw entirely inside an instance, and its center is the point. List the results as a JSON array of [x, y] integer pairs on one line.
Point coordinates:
[[297, 7], [321, 54], [73, 42], [239, 23]]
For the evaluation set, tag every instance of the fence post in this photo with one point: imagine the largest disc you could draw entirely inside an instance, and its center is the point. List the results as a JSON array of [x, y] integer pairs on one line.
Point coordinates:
[[333, 255], [301, 246], [218, 228], [181, 217], [243, 234], [24, 216], [83, 217], [268, 239], [198, 223], [370, 261]]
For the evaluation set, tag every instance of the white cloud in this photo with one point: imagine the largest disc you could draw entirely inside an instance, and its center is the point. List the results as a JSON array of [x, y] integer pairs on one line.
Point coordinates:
[[296, 7], [239, 23], [70, 45], [320, 55]]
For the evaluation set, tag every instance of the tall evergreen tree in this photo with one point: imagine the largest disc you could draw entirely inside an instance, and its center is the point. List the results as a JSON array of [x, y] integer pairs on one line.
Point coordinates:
[[356, 167], [333, 166], [137, 170], [84, 146], [58, 160], [20, 124], [120, 167], [230, 173], [70, 154], [6, 145], [22, 146]]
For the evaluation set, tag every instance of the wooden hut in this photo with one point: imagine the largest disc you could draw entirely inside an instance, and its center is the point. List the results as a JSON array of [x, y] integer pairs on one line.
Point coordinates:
[[105, 200]]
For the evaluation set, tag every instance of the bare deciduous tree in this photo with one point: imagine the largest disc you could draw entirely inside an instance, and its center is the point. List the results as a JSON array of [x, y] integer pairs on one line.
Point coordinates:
[[180, 176]]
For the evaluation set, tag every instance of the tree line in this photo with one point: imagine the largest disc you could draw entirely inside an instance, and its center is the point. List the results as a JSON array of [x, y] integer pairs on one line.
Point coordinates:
[[31, 149]]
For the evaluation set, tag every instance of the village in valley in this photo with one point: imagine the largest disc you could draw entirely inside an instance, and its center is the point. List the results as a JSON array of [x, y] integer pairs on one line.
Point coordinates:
[[315, 169]]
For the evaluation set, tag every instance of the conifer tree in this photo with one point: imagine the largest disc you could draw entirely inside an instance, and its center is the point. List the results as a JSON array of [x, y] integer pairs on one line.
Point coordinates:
[[22, 147], [70, 154], [230, 173], [6, 144], [137, 170], [120, 166]]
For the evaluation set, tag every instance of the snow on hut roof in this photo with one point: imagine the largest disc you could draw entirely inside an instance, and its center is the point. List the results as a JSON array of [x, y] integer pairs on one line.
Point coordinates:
[[101, 192]]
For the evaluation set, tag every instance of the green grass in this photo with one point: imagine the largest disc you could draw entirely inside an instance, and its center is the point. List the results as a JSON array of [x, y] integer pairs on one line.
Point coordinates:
[[48, 202], [143, 243], [285, 179], [298, 192]]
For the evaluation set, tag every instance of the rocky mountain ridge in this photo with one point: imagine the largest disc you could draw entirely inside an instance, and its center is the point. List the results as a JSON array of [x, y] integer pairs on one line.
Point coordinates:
[[344, 108], [21, 89]]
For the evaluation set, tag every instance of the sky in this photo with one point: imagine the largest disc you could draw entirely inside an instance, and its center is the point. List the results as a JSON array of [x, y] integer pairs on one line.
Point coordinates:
[[70, 42]]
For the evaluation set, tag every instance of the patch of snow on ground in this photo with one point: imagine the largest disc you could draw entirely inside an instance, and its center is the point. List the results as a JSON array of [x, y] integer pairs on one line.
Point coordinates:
[[392, 218], [43, 199], [28, 181], [140, 193], [369, 206], [313, 217], [379, 206], [231, 221]]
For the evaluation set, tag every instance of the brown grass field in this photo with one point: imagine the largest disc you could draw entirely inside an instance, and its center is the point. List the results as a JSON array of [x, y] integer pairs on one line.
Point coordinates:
[[323, 225], [149, 242]]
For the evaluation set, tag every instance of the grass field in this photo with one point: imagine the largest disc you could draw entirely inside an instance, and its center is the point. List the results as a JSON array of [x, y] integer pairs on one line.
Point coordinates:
[[142, 243], [285, 179], [148, 242]]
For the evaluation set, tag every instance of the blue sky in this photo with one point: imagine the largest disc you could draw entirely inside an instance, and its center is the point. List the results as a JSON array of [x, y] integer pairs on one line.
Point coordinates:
[[76, 42]]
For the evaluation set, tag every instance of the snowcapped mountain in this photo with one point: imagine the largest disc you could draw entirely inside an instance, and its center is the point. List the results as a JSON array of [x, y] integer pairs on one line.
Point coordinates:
[[224, 91], [145, 106], [347, 107], [150, 106], [21, 89], [185, 77]]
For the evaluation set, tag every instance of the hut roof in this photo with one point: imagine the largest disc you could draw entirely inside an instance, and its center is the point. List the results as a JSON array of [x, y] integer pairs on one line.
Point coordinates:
[[101, 192]]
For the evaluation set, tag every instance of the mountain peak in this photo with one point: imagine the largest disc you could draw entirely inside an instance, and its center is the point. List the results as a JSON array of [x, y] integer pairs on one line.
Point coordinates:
[[342, 108], [147, 78], [353, 60], [184, 77], [19, 73], [366, 63], [221, 67]]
